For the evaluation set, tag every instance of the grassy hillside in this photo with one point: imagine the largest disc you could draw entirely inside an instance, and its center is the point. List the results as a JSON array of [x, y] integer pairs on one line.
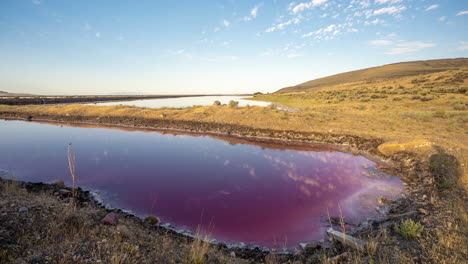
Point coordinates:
[[381, 73]]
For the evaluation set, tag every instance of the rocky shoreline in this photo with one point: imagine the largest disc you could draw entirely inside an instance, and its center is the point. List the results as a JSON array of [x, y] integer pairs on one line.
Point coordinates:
[[420, 180]]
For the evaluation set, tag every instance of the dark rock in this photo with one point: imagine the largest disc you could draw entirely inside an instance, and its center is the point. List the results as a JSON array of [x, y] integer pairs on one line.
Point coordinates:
[[37, 261], [110, 219], [310, 246], [23, 209], [65, 192]]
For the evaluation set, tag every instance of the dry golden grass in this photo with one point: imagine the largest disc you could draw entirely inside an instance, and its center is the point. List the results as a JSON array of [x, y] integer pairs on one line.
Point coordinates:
[[386, 72]]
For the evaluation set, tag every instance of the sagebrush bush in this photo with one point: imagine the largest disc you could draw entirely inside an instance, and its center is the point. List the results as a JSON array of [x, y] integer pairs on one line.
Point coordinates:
[[439, 113], [409, 229], [459, 105], [233, 104]]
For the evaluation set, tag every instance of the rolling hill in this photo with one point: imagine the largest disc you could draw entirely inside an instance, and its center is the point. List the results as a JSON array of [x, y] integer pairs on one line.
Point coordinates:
[[386, 72]]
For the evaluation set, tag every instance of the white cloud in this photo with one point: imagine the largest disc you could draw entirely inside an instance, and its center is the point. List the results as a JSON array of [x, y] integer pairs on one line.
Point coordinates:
[[226, 44], [269, 52], [374, 22], [381, 42], [408, 47], [253, 13], [432, 7], [120, 37], [461, 13], [308, 5], [391, 10], [98, 34], [463, 46], [388, 1], [442, 18], [226, 23], [331, 31], [36, 2], [87, 27], [281, 26]]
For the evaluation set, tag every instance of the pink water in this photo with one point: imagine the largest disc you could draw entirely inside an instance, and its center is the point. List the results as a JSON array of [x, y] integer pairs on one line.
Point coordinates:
[[237, 192]]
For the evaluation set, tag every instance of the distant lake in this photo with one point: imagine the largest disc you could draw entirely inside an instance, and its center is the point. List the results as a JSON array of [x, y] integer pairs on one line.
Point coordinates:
[[187, 101]]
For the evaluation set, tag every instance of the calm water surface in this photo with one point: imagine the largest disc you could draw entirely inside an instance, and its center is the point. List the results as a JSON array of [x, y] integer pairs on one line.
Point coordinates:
[[262, 195], [187, 101]]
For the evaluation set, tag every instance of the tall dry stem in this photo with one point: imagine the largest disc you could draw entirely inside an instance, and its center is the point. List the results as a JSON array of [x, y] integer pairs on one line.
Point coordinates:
[[71, 165]]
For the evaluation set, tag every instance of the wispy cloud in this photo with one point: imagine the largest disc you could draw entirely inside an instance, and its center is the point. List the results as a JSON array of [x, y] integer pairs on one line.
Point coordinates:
[[226, 23], [432, 7], [381, 42], [442, 18], [409, 47], [374, 22], [391, 10], [280, 26], [331, 31], [87, 27], [98, 34], [307, 5], [36, 2], [461, 13], [253, 13], [463, 45], [381, 2]]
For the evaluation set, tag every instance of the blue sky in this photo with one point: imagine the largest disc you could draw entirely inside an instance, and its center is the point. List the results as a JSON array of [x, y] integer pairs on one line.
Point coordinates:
[[231, 46]]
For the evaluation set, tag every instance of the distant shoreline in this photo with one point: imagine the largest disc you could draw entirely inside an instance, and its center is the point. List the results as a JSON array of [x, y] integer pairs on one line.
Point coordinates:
[[33, 100]]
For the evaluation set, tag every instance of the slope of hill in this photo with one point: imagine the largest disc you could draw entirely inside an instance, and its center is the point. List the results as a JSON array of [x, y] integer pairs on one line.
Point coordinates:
[[386, 72]]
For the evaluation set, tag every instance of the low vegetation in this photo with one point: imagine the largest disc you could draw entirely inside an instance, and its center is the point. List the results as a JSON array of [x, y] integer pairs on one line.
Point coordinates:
[[409, 229]]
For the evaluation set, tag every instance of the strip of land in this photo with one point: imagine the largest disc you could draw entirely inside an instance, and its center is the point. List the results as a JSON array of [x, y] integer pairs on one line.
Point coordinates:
[[31, 99]]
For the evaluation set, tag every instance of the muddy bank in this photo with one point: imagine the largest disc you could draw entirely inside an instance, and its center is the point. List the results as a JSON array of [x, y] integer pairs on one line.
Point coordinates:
[[83, 99], [282, 137]]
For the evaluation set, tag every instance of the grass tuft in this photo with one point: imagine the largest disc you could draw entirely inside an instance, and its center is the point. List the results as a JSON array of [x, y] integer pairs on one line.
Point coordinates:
[[409, 229]]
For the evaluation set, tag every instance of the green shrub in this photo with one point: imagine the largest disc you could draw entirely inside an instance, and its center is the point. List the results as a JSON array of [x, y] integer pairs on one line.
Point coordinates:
[[361, 107], [459, 105], [409, 229], [439, 113], [426, 98], [233, 104], [397, 98], [364, 99]]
